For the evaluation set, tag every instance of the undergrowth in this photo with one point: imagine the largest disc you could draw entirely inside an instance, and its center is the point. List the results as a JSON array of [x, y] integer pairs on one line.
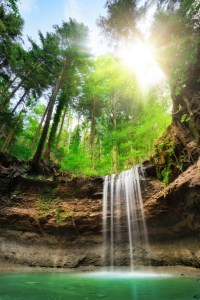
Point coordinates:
[[167, 160]]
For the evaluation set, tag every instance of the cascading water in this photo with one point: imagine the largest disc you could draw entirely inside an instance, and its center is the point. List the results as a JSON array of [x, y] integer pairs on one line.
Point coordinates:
[[123, 215]]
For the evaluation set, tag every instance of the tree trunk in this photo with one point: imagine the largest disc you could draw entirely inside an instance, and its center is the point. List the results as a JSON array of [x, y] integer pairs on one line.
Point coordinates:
[[68, 121], [14, 109], [8, 86], [79, 115], [68, 142], [167, 73], [92, 133], [114, 146], [86, 140], [38, 153], [69, 137], [39, 127], [61, 128], [9, 138], [17, 87], [85, 134], [54, 127], [99, 146]]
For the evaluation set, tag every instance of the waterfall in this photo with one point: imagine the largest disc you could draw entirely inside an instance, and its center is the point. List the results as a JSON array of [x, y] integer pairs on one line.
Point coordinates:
[[123, 216]]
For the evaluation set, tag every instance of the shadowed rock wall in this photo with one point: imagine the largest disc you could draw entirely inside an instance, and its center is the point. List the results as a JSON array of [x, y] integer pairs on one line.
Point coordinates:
[[56, 221]]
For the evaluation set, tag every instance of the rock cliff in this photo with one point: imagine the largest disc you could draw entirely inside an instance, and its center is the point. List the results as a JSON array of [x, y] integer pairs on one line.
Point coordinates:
[[55, 220]]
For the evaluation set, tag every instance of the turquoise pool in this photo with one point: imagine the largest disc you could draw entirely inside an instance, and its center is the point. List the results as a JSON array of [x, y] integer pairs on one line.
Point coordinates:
[[91, 286]]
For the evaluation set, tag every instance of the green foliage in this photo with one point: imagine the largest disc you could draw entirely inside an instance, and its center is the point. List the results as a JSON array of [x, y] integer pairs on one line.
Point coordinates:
[[20, 150], [163, 175], [103, 91], [175, 34], [165, 152], [184, 118], [181, 162], [177, 91], [13, 5]]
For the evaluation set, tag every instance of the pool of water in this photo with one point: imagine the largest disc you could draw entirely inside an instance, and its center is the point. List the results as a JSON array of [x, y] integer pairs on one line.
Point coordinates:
[[91, 286]]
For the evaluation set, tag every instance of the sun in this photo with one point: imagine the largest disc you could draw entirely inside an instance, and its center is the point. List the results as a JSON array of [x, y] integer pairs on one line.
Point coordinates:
[[140, 60]]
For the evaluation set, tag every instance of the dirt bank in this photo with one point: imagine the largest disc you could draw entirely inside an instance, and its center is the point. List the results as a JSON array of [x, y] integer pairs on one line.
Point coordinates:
[[54, 220]]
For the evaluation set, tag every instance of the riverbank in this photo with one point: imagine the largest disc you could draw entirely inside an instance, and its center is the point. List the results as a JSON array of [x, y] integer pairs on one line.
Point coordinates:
[[9, 267]]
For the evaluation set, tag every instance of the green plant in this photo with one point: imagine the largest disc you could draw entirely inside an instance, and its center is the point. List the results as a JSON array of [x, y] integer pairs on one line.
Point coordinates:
[[171, 148], [62, 214], [47, 196], [183, 119], [165, 174], [166, 150], [181, 161]]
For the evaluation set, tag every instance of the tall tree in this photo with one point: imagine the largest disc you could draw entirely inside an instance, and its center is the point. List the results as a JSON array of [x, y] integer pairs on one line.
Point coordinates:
[[73, 39], [121, 26]]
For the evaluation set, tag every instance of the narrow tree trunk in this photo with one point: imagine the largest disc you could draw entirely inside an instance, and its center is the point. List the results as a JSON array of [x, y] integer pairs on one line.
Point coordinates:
[[69, 137], [17, 87], [39, 127], [99, 146], [61, 128], [54, 127], [114, 146], [79, 115], [68, 121], [86, 147], [8, 86], [68, 143], [14, 109], [10, 136], [84, 137], [92, 133], [40, 148]]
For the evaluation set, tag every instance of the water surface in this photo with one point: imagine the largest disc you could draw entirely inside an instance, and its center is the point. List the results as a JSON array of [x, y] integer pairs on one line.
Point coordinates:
[[91, 286]]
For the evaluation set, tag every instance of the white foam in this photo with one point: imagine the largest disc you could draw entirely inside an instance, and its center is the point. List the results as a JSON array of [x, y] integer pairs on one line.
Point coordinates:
[[120, 274]]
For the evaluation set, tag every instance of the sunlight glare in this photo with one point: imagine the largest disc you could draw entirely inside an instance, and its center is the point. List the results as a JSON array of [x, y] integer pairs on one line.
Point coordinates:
[[140, 59]]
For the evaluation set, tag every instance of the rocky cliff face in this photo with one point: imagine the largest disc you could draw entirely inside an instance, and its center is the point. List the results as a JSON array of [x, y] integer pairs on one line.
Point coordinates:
[[55, 220]]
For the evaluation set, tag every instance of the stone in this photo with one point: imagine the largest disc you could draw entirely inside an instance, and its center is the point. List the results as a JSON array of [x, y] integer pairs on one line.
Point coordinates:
[[66, 232], [198, 163]]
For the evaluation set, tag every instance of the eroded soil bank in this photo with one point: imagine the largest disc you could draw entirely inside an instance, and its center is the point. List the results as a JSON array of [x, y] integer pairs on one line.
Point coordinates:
[[52, 220]]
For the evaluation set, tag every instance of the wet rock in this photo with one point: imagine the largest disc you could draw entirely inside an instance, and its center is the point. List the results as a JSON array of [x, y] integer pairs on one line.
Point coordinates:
[[150, 170], [98, 195]]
